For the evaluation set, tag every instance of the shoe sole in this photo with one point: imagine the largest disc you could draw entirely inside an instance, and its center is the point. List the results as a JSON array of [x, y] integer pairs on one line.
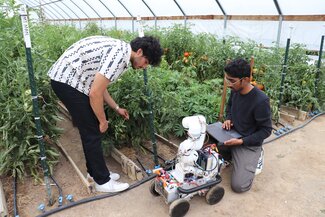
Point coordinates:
[[111, 191]]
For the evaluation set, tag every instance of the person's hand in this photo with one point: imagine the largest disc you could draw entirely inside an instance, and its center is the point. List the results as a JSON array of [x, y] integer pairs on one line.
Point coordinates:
[[103, 126], [227, 125], [124, 113], [233, 141]]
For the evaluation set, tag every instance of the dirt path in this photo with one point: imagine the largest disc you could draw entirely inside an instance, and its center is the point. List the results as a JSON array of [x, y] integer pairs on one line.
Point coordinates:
[[291, 184]]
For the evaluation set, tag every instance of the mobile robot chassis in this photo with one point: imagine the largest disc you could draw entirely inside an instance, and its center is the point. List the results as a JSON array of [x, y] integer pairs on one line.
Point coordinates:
[[195, 170]]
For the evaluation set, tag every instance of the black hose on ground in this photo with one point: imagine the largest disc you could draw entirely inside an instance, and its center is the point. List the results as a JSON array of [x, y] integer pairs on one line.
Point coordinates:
[[296, 128], [97, 197]]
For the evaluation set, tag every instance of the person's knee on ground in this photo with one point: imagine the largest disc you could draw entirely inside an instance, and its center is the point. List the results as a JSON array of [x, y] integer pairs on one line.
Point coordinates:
[[242, 180], [240, 187]]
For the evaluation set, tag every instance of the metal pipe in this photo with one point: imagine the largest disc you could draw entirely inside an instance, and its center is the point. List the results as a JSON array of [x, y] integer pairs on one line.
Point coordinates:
[[73, 13], [110, 12], [80, 10], [180, 8], [63, 11], [55, 11], [45, 12], [225, 20], [278, 8], [128, 13], [152, 13], [278, 38], [35, 6], [100, 18], [48, 3]]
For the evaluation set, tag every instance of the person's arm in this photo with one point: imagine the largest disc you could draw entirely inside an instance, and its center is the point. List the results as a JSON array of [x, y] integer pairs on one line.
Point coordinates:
[[262, 115], [110, 101], [96, 98]]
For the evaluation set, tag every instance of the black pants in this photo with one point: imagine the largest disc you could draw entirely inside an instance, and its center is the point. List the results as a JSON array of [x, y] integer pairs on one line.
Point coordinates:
[[84, 118]]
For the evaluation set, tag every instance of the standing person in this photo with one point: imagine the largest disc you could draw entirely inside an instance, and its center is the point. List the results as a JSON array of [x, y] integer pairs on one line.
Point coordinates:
[[80, 78], [248, 112]]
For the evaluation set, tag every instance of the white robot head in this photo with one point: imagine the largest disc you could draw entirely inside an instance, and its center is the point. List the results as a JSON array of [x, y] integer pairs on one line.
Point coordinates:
[[196, 126]]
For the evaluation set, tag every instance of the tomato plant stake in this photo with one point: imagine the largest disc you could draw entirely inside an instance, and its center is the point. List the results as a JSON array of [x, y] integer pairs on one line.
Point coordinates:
[[283, 74], [151, 115], [318, 66], [39, 136]]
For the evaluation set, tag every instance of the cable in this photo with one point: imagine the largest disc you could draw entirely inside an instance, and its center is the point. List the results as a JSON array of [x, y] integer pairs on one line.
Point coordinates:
[[294, 129], [98, 197], [144, 169], [60, 190], [153, 152]]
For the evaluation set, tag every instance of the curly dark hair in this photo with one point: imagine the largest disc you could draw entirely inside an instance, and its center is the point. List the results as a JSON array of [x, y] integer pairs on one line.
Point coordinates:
[[151, 48], [238, 68]]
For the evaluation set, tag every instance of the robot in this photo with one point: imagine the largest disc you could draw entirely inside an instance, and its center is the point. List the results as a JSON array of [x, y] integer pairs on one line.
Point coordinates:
[[194, 171]]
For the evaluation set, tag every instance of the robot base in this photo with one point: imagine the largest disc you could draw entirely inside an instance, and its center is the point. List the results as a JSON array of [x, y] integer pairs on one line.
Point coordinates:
[[178, 194], [196, 170]]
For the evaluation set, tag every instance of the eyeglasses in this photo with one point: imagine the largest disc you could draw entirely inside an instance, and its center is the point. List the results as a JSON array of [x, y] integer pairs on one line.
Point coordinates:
[[232, 82]]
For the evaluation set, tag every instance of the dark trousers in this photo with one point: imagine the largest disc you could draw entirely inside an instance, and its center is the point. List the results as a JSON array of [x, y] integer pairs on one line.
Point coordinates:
[[84, 118]]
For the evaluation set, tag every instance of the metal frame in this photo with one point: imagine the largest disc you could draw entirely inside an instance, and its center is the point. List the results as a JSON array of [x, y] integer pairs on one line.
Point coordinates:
[[184, 14], [145, 3], [45, 12], [100, 18], [50, 6], [110, 12], [73, 13], [57, 15], [225, 18], [128, 13], [62, 11], [278, 8], [80, 10]]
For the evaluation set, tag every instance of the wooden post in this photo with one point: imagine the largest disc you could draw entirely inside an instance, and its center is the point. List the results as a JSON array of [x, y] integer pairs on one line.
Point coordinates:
[[223, 99], [252, 68], [223, 96]]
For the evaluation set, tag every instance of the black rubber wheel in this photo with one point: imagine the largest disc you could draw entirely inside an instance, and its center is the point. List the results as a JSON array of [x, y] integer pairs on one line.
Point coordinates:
[[152, 189], [215, 194], [179, 208]]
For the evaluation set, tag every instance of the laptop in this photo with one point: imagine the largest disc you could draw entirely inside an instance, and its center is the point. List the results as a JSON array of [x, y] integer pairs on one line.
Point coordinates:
[[216, 131]]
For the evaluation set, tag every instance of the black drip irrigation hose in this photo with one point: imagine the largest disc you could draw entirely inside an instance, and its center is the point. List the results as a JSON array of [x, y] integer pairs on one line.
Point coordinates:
[[98, 197], [296, 128], [15, 196]]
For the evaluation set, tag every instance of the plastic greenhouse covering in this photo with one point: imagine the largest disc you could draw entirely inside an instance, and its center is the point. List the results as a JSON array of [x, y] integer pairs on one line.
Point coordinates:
[[268, 22]]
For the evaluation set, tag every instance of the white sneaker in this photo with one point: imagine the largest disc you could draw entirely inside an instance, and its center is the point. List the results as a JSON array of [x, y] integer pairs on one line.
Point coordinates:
[[260, 163], [111, 186], [114, 176]]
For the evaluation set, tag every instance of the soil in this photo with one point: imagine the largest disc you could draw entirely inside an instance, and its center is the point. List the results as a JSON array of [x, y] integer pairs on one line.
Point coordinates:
[[292, 183]]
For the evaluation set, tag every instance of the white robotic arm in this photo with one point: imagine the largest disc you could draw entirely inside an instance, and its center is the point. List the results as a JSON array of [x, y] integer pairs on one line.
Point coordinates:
[[187, 151], [196, 132]]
